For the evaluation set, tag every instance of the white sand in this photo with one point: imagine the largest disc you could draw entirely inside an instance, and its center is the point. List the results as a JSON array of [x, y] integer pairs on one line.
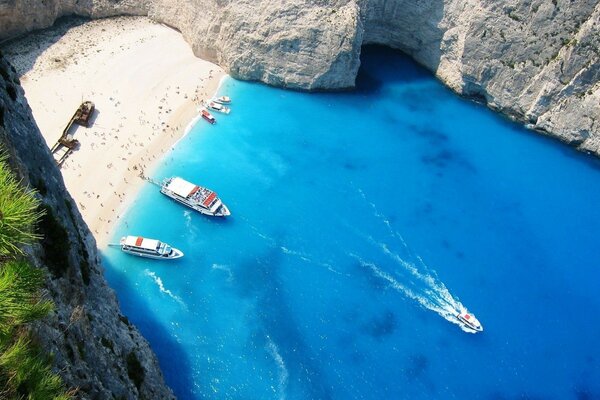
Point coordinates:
[[146, 85]]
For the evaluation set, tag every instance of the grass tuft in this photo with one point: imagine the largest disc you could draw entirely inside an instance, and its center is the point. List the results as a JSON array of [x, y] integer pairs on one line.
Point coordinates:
[[25, 371], [18, 212]]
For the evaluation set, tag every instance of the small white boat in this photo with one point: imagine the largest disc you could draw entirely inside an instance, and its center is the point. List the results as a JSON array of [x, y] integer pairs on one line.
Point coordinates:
[[208, 116], [212, 105], [149, 248], [222, 100], [469, 321], [198, 198]]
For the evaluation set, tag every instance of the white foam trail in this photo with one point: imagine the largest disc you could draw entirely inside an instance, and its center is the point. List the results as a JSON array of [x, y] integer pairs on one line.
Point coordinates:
[[429, 300], [260, 234], [224, 268], [283, 372], [306, 258], [187, 215], [383, 219], [162, 288], [434, 296]]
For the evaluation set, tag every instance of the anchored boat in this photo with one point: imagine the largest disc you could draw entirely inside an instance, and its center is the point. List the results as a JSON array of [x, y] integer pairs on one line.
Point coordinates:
[[469, 321], [212, 105], [208, 116], [199, 198], [222, 100], [149, 248]]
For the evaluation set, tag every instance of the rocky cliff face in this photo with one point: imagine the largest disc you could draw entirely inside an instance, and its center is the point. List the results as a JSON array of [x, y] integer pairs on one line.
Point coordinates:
[[95, 348], [534, 60]]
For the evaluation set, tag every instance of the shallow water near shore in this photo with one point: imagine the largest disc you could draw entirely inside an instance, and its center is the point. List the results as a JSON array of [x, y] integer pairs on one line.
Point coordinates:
[[360, 221]]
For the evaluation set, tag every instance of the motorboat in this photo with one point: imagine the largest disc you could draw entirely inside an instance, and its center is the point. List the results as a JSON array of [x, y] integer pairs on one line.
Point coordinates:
[[208, 116], [469, 321], [222, 100], [212, 105], [198, 198], [149, 248]]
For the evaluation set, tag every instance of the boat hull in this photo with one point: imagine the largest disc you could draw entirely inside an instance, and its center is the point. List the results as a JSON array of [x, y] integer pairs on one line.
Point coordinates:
[[209, 120], [222, 211], [173, 256], [214, 106], [467, 324], [222, 100], [223, 110]]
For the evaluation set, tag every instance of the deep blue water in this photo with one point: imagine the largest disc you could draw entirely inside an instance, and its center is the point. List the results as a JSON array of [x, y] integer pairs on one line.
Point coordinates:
[[359, 219]]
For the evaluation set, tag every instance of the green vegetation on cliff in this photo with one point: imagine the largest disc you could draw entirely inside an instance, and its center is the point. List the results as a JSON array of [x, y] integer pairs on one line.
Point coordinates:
[[18, 212], [25, 371]]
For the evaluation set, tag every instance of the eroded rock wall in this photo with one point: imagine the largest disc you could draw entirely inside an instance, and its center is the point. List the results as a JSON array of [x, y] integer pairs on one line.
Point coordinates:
[[534, 60], [21, 16], [299, 44], [95, 348]]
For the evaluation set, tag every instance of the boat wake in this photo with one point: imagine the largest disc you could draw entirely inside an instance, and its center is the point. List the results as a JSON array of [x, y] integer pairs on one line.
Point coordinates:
[[412, 277], [225, 268], [308, 259], [162, 288], [283, 373]]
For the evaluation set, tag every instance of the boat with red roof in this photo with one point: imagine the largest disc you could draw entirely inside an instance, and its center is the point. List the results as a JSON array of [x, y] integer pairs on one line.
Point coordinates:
[[469, 321], [149, 248], [208, 116], [199, 198]]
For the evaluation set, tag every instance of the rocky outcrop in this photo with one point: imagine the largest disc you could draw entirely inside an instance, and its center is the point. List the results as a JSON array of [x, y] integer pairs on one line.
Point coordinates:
[[534, 60], [95, 348]]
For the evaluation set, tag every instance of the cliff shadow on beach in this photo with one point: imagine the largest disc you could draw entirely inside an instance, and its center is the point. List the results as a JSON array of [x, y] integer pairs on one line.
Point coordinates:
[[22, 52]]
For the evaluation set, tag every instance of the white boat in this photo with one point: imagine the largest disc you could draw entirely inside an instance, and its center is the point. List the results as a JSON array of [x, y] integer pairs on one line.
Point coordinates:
[[222, 100], [469, 321], [149, 248], [199, 198], [212, 105]]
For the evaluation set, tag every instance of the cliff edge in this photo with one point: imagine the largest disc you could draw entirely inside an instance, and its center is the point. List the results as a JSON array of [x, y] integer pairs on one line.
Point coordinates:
[[95, 348]]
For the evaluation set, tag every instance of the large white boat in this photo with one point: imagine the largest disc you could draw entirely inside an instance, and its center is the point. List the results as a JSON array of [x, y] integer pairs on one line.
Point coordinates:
[[469, 321], [199, 198], [212, 105], [149, 248]]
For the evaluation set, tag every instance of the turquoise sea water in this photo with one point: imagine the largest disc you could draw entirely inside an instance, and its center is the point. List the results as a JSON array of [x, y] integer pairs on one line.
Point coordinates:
[[359, 220]]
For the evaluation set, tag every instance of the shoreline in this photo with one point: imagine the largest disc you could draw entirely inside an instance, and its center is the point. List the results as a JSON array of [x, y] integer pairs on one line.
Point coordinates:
[[143, 107]]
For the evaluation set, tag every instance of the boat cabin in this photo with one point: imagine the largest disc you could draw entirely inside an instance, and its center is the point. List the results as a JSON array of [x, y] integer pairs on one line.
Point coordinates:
[[193, 193], [146, 246]]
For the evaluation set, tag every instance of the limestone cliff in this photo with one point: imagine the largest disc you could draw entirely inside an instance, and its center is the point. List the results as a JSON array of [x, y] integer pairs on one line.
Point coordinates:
[[95, 348], [534, 60]]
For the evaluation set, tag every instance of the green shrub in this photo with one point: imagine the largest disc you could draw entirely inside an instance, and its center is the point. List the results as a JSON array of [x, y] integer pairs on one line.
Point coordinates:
[[18, 212], [25, 372], [20, 302]]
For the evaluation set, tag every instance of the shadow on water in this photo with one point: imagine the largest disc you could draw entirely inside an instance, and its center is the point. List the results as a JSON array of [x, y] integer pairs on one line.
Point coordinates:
[[172, 357], [38, 42], [382, 65], [259, 279]]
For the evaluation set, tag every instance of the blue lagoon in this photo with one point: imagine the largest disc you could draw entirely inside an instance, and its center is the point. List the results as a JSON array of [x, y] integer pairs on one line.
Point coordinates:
[[360, 221]]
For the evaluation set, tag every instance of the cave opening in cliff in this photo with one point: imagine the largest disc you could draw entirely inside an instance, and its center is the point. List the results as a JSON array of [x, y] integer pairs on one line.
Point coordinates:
[[395, 65]]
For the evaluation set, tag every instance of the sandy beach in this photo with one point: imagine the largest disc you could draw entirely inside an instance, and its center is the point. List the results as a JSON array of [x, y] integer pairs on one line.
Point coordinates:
[[146, 85]]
